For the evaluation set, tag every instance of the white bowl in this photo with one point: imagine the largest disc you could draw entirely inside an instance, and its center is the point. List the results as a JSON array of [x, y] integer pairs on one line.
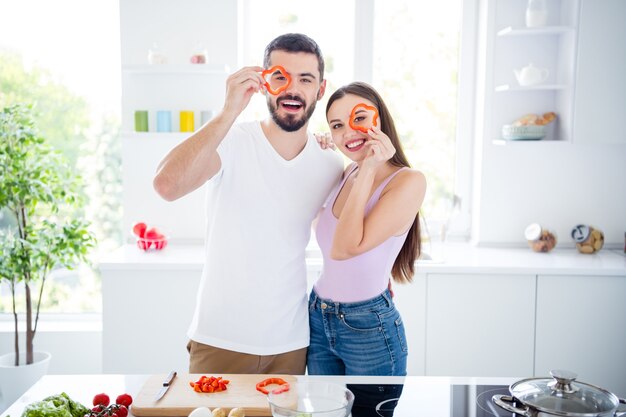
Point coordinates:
[[530, 132]]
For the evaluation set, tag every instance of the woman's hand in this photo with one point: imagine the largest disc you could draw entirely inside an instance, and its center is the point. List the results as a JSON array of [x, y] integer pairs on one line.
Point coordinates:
[[325, 140], [380, 148]]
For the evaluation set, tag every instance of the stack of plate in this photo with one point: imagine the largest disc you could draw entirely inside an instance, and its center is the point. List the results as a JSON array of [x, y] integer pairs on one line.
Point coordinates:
[[530, 132]]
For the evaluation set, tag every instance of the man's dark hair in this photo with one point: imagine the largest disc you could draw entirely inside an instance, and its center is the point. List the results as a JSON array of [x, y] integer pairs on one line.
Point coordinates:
[[295, 42]]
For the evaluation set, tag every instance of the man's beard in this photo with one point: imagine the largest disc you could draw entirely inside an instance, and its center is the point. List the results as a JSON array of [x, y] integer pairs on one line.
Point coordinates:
[[290, 123]]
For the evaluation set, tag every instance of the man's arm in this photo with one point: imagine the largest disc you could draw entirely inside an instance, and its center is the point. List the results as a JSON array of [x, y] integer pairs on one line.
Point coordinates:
[[195, 160]]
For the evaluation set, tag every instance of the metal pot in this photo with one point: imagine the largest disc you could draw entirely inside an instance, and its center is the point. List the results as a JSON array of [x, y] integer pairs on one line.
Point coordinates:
[[559, 396]]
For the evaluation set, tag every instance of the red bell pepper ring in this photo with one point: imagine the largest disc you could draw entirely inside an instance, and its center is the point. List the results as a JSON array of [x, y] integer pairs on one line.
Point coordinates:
[[284, 385], [272, 71], [353, 115]]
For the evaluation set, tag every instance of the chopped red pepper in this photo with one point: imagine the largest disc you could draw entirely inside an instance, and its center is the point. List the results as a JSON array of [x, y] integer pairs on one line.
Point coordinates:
[[209, 384], [283, 84], [284, 385], [353, 115]]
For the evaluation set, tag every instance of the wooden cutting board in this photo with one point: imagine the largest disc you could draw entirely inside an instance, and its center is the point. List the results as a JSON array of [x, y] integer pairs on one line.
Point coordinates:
[[181, 399]]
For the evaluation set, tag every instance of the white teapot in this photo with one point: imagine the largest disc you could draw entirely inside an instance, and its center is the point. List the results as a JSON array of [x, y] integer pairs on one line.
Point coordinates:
[[531, 75]]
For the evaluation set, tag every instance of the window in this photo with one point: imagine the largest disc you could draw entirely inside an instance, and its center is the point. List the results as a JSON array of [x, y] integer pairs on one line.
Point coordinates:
[[74, 64], [416, 65], [411, 53]]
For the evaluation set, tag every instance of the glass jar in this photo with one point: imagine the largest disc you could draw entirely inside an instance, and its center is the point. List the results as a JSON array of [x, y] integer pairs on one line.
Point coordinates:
[[156, 55], [199, 54], [588, 239], [536, 13], [539, 239]]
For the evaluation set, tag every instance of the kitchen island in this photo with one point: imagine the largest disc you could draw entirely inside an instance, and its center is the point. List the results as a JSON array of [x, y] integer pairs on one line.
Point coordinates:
[[398, 396]]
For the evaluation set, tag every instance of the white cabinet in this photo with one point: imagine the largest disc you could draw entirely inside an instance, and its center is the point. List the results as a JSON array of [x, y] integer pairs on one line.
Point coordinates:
[[484, 312], [600, 103], [145, 332], [581, 327], [410, 300], [480, 325], [148, 300], [551, 47]]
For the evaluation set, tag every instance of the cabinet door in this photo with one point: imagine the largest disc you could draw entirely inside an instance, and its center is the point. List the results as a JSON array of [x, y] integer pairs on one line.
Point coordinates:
[[410, 300], [581, 327], [146, 312], [600, 102], [480, 325]]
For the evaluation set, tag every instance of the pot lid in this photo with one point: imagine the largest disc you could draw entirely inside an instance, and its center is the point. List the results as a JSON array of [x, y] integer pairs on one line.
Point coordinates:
[[533, 232], [580, 233], [560, 395]]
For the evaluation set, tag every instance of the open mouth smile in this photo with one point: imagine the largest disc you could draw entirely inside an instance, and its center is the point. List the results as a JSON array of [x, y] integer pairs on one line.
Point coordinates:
[[355, 145], [291, 106]]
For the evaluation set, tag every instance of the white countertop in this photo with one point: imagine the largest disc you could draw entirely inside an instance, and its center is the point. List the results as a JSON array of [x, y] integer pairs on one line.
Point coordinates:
[[448, 258], [188, 257], [418, 396]]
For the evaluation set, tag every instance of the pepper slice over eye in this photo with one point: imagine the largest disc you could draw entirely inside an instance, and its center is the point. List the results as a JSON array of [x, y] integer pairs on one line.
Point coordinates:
[[363, 127], [284, 385], [276, 79]]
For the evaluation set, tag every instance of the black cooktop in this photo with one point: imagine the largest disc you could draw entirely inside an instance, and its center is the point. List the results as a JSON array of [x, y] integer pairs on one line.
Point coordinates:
[[427, 400]]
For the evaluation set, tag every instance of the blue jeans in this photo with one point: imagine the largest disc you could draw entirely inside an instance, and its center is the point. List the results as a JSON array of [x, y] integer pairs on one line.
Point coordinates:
[[362, 338]]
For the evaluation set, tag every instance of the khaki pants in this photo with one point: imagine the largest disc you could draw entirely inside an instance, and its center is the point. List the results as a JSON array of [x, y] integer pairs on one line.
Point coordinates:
[[205, 359]]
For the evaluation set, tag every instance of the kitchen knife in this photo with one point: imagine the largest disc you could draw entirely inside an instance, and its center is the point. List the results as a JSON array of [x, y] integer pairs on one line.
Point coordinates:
[[166, 385]]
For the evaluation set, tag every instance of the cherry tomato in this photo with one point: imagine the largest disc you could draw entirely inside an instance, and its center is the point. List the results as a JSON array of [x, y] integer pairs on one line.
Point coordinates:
[[124, 399], [101, 399], [122, 411]]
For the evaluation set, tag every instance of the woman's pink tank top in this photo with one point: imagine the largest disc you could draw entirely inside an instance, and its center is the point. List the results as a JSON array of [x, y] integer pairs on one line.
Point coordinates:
[[364, 276]]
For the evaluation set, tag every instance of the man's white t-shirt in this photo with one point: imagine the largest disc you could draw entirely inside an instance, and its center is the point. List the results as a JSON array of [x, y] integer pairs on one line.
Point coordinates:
[[252, 296]]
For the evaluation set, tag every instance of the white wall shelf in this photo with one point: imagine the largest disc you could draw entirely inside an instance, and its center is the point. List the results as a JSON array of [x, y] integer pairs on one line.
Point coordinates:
[[175, 69], [171, 87], [541, 87], [551, 47], [155, 135], [547, 30], [504, 142]]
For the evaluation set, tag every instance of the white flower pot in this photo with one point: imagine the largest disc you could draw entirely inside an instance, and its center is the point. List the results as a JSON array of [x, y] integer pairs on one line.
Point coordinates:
[[16, 380]]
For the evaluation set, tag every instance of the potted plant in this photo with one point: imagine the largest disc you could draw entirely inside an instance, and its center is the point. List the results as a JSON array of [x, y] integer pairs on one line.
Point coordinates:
[[40, 192]]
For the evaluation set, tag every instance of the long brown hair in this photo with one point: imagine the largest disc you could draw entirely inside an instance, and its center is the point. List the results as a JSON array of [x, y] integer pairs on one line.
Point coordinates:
[[404, 266]]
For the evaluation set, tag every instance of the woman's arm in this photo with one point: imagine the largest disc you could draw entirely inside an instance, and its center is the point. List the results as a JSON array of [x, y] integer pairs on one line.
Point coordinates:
[[392, 215], [394, 212]]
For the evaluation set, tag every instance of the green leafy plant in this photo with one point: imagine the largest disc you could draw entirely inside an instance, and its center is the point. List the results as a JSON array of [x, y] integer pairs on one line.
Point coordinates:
[[40, 190]]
